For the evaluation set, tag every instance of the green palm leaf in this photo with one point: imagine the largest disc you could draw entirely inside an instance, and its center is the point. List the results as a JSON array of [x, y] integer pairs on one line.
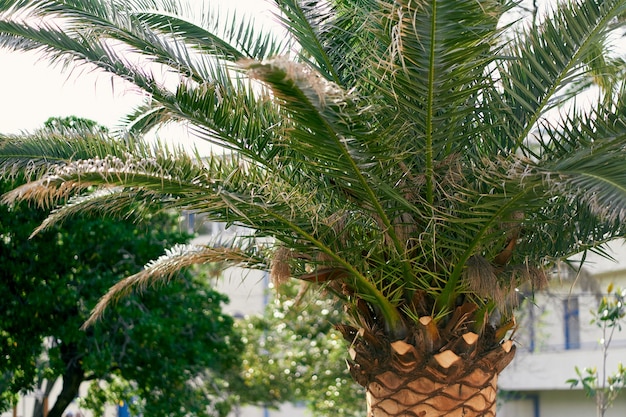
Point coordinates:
[[164, 268], [547, 60]]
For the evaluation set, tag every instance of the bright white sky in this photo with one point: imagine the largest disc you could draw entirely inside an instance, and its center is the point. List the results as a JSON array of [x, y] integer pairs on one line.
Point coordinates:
[[32, 90]]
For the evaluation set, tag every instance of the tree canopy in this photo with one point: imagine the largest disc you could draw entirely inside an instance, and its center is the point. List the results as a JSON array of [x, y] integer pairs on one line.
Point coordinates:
[[174, 346], [294, 354]]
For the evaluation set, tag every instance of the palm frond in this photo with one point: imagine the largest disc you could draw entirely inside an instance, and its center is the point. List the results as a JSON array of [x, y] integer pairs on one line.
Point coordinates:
[[334, 37], [333, 145], [143, 119], [441, 52], [546, 60], [594, 176], [38, 153], [179, 257], [205, 77], [304, 21], [239, 36]]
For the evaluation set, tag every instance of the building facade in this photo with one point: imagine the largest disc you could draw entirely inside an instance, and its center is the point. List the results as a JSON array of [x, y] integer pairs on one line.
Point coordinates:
[[556, 334]]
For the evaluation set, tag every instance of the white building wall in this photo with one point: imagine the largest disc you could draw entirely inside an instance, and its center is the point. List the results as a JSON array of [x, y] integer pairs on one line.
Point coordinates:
[[556, 404], [534, 384]]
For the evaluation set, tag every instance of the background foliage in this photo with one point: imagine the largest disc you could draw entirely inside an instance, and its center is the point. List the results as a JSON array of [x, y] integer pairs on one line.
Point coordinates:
[[293, 353], [167, 344]]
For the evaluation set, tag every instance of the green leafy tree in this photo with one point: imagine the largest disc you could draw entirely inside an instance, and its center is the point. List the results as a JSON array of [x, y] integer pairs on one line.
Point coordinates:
[[293, 353], [72, 124], [174, 346], [599, 384], [419, 159]]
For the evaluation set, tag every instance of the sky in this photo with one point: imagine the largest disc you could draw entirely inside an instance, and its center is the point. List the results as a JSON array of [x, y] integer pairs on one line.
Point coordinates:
[[32, 90]]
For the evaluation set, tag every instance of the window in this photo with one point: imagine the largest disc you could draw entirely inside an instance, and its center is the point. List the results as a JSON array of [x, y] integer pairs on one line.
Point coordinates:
[[571, 323]]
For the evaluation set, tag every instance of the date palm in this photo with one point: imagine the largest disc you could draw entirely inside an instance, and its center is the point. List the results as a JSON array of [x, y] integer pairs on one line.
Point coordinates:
[[420, 160]]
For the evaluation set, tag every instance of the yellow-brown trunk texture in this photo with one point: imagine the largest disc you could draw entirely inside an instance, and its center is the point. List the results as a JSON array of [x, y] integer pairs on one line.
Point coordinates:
[[413, 387], [427, 375]]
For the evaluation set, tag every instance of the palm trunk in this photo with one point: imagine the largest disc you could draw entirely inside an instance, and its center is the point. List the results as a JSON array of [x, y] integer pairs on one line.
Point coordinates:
[[428, 392], [428, 377]]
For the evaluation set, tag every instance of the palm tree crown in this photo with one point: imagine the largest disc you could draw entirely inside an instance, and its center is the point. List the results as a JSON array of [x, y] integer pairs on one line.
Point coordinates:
[[416, 158]]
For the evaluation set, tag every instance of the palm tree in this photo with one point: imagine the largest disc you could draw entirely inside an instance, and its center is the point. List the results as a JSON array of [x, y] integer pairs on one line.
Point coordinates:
[[420, 160]]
